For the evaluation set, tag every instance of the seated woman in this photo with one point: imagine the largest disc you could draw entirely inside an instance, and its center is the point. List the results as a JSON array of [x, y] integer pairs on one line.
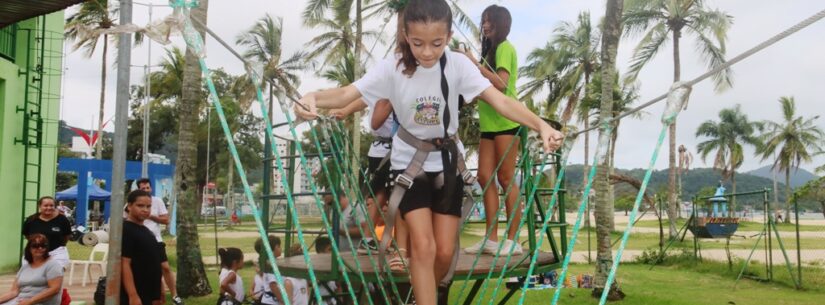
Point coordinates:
[[39, 281]]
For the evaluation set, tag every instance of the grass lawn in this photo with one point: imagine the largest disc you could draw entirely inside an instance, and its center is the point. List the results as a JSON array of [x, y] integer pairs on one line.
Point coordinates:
[[675, 285], [680, 281]]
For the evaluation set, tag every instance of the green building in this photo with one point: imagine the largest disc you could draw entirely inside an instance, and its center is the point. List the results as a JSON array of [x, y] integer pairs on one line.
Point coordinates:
[[31, 59]]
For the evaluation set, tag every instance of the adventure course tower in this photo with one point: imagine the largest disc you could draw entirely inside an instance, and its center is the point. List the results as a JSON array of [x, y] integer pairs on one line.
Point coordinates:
[[31, 57]]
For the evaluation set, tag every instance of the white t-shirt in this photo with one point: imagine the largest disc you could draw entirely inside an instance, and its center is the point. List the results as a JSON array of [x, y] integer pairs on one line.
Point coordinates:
[[325, 293], [418, 101], [378, 149], [237, 286], [267, 298], [158, 209], [300, 291]]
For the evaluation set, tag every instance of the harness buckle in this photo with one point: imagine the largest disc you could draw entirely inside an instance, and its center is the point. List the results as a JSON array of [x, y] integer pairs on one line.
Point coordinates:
[[404, 181], [468, 177], [441, 143]]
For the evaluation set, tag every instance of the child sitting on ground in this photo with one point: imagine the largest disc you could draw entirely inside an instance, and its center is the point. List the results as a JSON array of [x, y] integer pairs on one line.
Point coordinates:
[[231, 288], [323, 245]]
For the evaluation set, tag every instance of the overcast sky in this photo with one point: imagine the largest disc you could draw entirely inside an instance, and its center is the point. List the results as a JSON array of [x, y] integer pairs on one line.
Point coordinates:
[[794, 67]]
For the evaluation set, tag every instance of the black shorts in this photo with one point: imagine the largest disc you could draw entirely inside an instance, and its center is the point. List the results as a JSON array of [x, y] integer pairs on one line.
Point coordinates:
[[424, 194], [491, 135], [379, 177], [162, 251]]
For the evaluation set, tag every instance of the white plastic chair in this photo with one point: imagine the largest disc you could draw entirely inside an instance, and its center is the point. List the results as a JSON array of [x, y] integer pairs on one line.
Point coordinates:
[[100, 248]]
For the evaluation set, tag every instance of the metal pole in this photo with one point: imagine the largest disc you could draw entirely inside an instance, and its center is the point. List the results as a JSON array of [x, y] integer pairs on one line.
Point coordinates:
[[768, 245], [124, 59], [798, 247], [208, 152], [144, 164]]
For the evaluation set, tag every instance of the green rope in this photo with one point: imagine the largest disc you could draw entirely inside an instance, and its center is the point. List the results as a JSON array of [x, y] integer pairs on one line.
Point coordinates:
[[531, 192], [639, 196], [338, 130], [553, 200], [509, 223], [597, 156], [195, 41], [353, 247], [498, 211], [305, 164]]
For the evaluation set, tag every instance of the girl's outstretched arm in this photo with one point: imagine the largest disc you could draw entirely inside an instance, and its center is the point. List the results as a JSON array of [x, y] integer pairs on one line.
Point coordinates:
[[519, 113], [307, 107]]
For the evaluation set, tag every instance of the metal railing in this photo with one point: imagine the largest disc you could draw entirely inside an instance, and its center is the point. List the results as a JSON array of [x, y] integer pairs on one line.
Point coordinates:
[[8, 42]]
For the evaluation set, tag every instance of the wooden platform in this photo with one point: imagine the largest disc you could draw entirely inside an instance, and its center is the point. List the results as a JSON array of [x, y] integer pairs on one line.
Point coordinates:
[[322, 264]]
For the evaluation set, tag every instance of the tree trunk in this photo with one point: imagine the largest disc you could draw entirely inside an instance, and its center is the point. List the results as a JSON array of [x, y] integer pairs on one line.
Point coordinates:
[[611, 190], [788, 195], [586, 163], [673, 199], [732, 212], [192, 280], [230, 178], [98, 146], [570, 108], [775, 189], [610, 43]]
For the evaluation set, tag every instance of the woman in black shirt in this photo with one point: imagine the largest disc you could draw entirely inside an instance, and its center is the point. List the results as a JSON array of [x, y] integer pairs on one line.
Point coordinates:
[[56, 227]]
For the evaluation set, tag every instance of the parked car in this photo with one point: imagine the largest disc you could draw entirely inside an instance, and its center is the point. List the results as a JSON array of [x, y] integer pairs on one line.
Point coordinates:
[[207, 212]]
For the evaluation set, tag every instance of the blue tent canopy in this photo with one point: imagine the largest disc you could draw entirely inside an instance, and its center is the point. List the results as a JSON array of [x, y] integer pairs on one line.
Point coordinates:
[[95, 193]]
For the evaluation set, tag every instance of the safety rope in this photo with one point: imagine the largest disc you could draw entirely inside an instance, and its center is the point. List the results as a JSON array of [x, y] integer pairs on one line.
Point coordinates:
[[353, 203], [598, 156], [561, 164], [195, 42]]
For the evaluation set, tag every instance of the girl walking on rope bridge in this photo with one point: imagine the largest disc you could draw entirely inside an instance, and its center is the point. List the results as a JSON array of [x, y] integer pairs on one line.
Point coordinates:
[[423, 87], [499, 136]]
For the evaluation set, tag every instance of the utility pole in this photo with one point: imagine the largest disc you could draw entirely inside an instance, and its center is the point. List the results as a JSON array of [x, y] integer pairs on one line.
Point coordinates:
[[124, 58], [144, 164]]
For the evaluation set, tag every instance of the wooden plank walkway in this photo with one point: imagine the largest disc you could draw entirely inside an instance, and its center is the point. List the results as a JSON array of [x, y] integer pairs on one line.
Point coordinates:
[[322, 264]]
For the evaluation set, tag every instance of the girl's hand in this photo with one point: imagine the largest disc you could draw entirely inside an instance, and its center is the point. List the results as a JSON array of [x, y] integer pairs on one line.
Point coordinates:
[[305, 108], [550, 137], [338, 114], [469, 54]]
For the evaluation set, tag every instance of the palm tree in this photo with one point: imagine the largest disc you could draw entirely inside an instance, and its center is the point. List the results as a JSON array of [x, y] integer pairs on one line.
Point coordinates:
[[603, 210], [795, 140], [192, 280], [543, 75], [263, 47], [168, 81], [669, 19], [590, 108], [579, 41], [90, 16], [726, 138]]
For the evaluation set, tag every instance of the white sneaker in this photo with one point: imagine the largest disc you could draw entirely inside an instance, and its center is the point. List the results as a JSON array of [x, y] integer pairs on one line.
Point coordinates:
[[517, 250], [489, 247]]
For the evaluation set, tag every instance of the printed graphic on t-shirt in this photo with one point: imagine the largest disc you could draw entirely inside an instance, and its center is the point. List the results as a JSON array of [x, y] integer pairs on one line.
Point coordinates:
[[426, 110]]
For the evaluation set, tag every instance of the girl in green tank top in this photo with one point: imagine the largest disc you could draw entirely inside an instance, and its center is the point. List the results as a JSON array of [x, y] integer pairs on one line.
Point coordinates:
[[498, 64]]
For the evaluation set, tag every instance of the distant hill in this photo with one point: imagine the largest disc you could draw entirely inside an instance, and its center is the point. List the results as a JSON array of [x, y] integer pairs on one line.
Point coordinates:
[[692, 181], [798, 177]]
